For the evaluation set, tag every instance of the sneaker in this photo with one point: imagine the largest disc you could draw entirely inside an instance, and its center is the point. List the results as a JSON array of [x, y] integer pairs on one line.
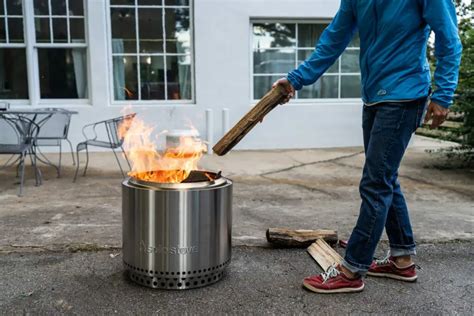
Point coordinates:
[[386, 268], [333, 281]]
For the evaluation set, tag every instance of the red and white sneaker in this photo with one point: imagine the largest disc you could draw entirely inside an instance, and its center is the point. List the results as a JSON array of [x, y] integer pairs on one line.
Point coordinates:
[[333, 281], [386, 268]]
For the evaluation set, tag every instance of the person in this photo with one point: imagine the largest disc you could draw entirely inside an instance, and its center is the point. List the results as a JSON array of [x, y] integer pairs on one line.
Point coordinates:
[[395, 86]]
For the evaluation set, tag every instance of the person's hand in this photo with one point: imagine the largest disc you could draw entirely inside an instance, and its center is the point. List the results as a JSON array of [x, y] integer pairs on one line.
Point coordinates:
[[437, 113], [290, 91]]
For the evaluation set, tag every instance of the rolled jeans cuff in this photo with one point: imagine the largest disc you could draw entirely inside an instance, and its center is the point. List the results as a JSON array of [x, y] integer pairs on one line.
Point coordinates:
[[399, 252], [355, 268]]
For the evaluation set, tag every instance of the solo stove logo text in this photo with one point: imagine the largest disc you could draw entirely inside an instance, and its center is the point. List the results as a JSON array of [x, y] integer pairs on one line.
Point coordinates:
[[168, 250]]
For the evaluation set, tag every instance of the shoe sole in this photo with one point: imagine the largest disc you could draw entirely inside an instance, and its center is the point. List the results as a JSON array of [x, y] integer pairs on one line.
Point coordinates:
[[393, 276], [342, 290]]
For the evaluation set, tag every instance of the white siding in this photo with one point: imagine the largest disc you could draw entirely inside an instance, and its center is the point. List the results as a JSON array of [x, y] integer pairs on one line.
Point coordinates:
[[223, 79]]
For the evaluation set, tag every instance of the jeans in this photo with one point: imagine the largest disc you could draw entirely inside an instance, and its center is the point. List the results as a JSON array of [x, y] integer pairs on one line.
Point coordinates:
[[387, 129]]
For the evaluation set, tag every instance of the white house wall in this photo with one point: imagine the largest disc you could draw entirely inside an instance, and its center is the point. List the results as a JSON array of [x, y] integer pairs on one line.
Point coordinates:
[[222, 61]]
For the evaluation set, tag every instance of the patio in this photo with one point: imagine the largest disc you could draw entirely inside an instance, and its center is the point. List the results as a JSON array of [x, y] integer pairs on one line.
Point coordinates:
[[298, 189], [77, 227]]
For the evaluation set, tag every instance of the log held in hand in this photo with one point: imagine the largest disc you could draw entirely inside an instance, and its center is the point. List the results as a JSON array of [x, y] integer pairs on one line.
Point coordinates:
[[300, 238], [258, 112]]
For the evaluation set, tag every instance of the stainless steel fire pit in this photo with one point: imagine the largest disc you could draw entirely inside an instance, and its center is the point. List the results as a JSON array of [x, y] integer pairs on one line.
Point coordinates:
[[177, 236]]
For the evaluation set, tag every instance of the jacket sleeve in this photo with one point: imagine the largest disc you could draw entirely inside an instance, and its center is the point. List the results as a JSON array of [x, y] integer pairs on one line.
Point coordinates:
[[331, 45], [441, 17]]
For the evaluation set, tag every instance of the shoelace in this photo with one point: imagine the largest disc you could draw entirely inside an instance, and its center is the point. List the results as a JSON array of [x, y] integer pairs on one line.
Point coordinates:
[[384, 260], [331, 272]]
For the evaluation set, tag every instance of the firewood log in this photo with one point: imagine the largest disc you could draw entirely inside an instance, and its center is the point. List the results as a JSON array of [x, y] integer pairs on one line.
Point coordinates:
[[255, 115], [300, 238], [323, 254]]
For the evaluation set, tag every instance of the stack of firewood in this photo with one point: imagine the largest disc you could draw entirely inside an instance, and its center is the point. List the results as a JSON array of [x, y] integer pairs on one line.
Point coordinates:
[[317, 242]]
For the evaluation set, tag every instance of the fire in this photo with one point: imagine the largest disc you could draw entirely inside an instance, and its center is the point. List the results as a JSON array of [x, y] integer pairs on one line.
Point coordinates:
[[173, 165]]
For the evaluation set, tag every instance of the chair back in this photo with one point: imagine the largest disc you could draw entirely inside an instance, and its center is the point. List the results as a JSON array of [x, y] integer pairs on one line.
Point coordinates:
[[113, 126], [9, 134], [57, 126], [17, 130]]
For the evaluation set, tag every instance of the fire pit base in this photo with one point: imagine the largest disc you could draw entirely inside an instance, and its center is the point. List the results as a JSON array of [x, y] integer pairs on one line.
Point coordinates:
[[182, 280], [177, 236]]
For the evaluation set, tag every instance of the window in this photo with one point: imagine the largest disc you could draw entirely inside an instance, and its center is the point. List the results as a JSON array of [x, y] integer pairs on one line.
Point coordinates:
[[13, 74], [281, 47], [61, 48], [48, 35], [151, 49]]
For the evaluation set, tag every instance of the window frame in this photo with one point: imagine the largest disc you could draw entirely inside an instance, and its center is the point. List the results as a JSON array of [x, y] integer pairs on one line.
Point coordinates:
[[51, 44], [32, 61], [298, 101], [23, 45], [110, 56]]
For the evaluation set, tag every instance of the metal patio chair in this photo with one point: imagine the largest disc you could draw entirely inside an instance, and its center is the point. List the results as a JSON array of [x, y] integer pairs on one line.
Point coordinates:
[[53, 132], [18, 135], [114, 140]]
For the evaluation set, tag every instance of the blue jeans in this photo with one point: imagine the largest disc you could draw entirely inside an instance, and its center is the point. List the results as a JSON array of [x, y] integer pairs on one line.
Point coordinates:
[[387, 129]]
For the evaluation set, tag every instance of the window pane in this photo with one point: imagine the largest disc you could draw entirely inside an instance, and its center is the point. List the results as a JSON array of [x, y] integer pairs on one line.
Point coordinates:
[[267, 35], [262, 84], [325, 88], [350, 86], [76, 7], [3, 37], [178, 37], [176, 2], [125, 78], [178, 75], [350, 61], [42, 30], [13, 78], [123, 30], [14, 7], [60, 30], [41, 7], [58, 7], [152, 76], [63, 73], [77, 30], [309, 34], [122, 2], [2, 11], [150, 30], [274, 61], [15, 30], [304, 54]]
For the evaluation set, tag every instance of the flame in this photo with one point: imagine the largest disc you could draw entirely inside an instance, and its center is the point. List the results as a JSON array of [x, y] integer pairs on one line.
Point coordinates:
[[173, 165]]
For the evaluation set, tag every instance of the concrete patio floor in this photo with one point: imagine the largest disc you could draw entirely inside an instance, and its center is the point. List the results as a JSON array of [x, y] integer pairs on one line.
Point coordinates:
[[293, 188], [296, 188]]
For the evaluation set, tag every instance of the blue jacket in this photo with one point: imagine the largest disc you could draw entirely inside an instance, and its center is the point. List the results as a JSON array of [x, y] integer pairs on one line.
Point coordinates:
[[393, 40]]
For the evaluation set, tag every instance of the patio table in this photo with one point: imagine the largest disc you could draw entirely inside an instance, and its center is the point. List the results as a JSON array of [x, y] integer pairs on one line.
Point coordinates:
[[38, 117]]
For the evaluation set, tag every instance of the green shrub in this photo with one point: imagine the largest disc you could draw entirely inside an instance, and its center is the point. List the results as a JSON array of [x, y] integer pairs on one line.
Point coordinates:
[[464, 101]]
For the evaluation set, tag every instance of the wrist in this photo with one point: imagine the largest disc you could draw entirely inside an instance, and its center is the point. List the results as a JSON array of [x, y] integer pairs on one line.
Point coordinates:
[[440, 103]]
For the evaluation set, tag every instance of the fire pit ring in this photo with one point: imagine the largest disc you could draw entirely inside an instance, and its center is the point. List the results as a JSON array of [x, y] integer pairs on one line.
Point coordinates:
[[177, 236]]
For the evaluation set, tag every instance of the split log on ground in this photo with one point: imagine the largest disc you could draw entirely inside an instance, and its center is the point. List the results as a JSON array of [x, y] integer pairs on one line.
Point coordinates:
[[258, 112], [299, 238], [323, 254]]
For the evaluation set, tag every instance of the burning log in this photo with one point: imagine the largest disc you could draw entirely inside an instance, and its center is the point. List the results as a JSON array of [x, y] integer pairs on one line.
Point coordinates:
[[245, 125], [323, 254], [172, 165], [300, 238]]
